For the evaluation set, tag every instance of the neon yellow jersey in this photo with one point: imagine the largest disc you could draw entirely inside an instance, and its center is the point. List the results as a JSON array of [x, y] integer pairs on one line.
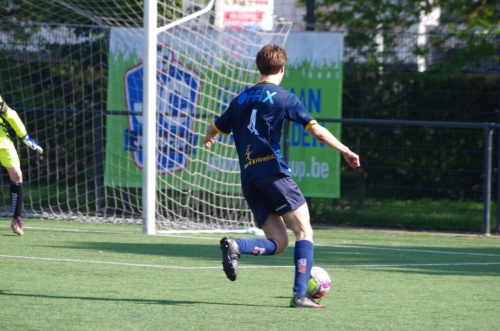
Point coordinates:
[[9, 115]]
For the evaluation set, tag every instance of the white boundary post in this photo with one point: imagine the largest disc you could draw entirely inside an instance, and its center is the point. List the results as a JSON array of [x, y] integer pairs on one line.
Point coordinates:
[[151, 32]]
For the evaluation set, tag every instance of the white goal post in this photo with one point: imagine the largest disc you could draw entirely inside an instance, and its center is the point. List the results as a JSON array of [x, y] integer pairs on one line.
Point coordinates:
[[119, 95], [151, 32]]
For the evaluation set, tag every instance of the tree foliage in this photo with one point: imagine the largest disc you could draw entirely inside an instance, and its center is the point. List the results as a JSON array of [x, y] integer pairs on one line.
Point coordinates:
[[474, 14], [389, 14], [471, 26], [128, 13], [44, 11]]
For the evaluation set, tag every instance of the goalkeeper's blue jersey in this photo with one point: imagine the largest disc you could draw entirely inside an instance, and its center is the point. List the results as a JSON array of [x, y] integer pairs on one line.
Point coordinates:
[[255, 118]]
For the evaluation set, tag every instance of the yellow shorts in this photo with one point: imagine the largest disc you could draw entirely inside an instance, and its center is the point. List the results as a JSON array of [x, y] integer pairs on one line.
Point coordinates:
[[8, 153]]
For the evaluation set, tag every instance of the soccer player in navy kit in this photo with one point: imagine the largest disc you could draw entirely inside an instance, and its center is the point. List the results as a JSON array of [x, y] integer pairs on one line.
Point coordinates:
[[255, 118]]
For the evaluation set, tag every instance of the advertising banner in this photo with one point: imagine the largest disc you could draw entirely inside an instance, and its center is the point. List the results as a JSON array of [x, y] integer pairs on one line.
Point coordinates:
[[244, 14], [313, 73]]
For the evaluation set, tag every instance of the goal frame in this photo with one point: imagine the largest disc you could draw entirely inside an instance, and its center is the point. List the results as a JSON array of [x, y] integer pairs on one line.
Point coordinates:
[[151, 32]]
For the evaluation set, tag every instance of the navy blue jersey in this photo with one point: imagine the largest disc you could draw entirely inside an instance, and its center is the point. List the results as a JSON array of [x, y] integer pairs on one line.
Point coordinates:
[[256, 118]]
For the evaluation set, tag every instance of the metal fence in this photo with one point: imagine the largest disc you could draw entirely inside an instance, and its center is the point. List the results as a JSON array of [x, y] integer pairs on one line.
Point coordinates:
[[410, 170]]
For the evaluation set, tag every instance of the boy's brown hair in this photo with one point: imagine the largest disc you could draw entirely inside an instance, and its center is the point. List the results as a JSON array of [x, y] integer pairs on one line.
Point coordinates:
[[270, 59]]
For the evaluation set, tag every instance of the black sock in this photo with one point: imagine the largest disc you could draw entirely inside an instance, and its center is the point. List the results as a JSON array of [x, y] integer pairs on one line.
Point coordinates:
[[16, 193]]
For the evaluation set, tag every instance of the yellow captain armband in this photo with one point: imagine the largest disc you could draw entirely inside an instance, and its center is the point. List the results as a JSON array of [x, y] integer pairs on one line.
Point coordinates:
[[311, 124], [219, 131]]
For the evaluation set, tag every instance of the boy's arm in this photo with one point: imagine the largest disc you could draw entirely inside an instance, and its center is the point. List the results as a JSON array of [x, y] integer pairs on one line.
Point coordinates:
[[325, 136], [210, 135]]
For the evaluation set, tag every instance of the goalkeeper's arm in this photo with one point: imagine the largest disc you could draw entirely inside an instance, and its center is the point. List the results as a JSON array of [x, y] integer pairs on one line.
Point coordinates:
[[17, 124]]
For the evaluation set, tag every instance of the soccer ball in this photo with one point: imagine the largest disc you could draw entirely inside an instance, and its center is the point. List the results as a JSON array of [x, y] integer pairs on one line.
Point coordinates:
[[319, 283]]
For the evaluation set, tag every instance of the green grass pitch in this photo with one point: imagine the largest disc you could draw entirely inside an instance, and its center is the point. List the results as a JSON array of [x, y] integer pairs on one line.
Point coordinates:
[[76, 276]]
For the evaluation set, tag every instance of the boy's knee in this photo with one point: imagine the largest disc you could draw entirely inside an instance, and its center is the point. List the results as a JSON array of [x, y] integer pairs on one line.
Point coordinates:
[[280, 250], [281, 246]]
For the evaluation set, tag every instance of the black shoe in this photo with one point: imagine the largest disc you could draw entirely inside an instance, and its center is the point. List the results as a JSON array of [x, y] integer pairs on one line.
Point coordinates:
[[230, 257], [304, 302]]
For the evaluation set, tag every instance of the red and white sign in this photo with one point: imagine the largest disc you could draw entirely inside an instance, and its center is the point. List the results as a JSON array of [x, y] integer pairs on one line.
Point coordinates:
[[244, 14]]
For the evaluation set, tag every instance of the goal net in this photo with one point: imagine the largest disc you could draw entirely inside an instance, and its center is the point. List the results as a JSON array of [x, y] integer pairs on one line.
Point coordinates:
[[73, 70]]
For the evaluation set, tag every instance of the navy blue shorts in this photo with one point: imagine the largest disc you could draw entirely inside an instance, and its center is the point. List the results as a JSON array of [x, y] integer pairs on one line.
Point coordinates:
[[277, 194]]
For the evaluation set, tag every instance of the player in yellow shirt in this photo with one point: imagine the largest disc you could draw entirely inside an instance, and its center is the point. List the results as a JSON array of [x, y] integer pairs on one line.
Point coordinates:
[[10, 160]]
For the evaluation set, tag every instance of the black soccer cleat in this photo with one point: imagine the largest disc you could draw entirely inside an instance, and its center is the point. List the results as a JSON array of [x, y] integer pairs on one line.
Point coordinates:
[[230, 257], [304, 302]]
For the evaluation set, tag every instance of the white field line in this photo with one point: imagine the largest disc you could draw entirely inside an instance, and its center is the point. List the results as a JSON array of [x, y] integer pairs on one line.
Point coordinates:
[[410, 250], [184, 234], [346, 266], [101, 262], [256, 266], [164, 234], [394, 265], [70, 230]]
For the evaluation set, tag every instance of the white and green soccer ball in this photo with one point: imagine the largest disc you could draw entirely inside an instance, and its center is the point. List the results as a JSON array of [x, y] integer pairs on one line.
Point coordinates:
[[319, 283]]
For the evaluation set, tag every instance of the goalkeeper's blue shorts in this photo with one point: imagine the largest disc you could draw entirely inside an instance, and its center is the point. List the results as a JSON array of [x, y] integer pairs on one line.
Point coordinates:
[[276, 194]]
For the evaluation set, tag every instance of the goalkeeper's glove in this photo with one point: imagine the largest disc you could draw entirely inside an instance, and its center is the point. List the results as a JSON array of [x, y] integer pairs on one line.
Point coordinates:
[[28, 141]]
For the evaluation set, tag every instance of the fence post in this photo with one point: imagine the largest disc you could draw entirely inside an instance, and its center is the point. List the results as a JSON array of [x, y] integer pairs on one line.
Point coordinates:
[[497, 226], [488, 139], [98, 159]]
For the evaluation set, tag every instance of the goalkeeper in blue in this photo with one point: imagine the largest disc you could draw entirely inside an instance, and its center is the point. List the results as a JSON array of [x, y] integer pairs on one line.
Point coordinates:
[[255, 118], [10, 160]]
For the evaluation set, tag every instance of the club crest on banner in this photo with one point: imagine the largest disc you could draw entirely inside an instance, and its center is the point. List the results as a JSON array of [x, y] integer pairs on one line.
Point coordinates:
[[177, 95]]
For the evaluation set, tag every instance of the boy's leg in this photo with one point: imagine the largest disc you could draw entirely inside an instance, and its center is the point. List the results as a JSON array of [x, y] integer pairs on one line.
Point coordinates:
[[256, 246], [299, 222], [16, 193], [233, 247], [276, 242]]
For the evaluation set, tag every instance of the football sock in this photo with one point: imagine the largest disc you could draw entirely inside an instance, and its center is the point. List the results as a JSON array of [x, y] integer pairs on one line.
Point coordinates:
[[303, 256], [16, 193], [256, 246]]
